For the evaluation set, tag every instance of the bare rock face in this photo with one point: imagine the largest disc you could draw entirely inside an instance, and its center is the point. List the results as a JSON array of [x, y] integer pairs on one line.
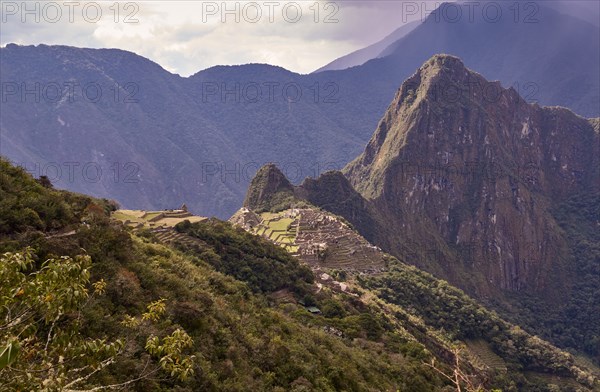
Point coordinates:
[[468, 172]]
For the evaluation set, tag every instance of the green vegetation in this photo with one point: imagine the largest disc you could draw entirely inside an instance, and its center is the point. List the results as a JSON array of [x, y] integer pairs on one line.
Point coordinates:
[[27, 205], [449, 310], [233, 340], [249, 258], [577, 323], [483, 351], [278, 229], [140, 218], [281, 224], [202, 317], [42, 348], [122, 216]]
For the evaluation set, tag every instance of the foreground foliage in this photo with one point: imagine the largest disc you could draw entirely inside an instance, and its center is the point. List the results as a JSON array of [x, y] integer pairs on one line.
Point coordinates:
[[43, 349]]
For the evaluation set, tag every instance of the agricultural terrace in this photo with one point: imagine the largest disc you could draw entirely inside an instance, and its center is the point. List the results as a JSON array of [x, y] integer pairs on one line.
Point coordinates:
[[138, 219]]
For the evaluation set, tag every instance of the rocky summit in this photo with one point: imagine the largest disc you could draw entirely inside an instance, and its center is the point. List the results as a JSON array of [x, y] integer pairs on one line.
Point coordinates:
[[474, 166]]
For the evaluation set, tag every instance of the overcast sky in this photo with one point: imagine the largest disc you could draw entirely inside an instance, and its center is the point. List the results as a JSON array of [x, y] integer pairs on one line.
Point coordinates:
[[187, 36]]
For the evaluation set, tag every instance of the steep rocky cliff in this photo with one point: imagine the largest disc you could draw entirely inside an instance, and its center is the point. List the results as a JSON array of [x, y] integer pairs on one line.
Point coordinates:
[[469, 170]]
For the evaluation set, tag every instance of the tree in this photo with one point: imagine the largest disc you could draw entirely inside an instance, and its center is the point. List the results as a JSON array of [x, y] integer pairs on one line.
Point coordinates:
[[459, 376], [41, 347], [332, 308], [45, 182]]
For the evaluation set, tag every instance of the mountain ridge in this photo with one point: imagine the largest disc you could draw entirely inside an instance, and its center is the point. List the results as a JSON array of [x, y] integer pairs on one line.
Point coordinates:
[[466, 188], [361, 56]]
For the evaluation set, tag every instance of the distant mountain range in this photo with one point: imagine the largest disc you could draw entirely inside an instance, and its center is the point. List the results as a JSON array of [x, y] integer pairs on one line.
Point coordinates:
[[164, 140], [582, 9]]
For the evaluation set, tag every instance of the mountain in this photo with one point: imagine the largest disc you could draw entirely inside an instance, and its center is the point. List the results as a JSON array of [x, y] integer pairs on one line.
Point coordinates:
[[154, 140], [363, 55], [479, 170], [224, 310], [163, 140], [485, 192], [507, 48], [462, 171]]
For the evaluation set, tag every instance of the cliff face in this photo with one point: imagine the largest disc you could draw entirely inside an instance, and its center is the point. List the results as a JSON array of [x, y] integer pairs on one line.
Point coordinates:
[[467, 170]]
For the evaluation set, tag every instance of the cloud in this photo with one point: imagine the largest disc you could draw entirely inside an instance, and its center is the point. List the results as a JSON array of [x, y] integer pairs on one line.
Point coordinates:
[[187, 36]]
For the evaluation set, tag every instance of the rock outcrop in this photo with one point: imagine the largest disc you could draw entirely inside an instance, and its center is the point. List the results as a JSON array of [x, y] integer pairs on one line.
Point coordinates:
[[268, 188]]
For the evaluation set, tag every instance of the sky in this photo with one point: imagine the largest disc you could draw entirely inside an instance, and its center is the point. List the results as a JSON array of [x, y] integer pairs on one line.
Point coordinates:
[[185, 37]]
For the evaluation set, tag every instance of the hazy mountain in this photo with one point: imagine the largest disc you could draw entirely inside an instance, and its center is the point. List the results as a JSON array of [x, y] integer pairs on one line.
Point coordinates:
[[582, 9], [361, 56], [171, 140], [548, 57]]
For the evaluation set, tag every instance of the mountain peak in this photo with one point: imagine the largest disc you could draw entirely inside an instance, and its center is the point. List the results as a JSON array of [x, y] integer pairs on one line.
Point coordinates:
[[270, 170], [459, 152], [442, 88], [268, 188], [443, 78], [443, 61]]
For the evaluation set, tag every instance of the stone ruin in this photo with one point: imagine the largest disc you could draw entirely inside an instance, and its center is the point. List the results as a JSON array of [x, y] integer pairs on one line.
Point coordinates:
[[322, 240]]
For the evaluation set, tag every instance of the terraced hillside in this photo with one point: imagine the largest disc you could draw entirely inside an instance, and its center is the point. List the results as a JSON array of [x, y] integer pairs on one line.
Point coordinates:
[[138, 219], [484, 356], [318, 238], [169, 236]]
